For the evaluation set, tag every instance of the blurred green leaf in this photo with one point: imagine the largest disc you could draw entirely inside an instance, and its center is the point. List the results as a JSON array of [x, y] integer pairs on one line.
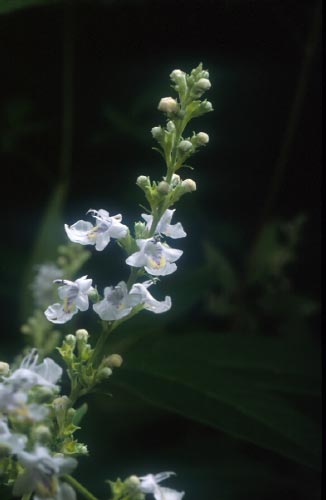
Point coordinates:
[[7, 6], [50, 235], [224, 273], [274, 250], [241, 386]]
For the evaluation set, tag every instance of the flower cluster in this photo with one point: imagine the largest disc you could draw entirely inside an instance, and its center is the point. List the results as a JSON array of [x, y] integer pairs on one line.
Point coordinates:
[[37, 423], [25, 419]]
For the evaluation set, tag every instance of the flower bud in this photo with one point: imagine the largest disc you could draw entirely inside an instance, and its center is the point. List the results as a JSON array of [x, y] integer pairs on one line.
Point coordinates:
[[163, 187], [61, 403], [132, 482], [175, 181], [71, 413], [184, 146], [113, 361], [71, 340], [168, 105], [41, 433], [4, 368], [157, 133], [176, 75], [206, 106], [204, 74], [104, 373], [142, 181], [203, 84], [170, 127], [82, 335], [189, 185], [202, 138]]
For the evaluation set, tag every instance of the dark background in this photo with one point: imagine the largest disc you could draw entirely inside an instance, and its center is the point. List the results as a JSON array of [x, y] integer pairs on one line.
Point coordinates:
[[100, 68]]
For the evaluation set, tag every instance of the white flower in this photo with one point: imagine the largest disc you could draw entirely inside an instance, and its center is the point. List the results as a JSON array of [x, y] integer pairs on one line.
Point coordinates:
[[41, 475], [13, 442], [164, 227], [148, 300], [106, 228], [29, 374], [117, 302], [149, 484], [74, 295], [42, 287], [157, 258]]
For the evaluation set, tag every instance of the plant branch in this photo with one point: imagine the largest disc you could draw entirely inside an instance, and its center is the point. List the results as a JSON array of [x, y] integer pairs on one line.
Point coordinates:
[[79, 487]]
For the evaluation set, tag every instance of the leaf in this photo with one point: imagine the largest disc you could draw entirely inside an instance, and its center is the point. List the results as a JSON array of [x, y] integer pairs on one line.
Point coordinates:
[[50, 235], [7, 6], [225, 274], [242, 386], [79, 414]]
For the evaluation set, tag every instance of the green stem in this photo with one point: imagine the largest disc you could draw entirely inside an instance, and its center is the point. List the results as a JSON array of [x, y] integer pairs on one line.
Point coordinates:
[[27, 496], [294, 115], [79, 487], [99, 347]]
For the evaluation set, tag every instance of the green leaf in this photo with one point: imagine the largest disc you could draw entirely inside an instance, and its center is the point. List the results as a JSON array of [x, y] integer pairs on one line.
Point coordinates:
[[7, 6], [79, 414], [50, 235], [249, 387]]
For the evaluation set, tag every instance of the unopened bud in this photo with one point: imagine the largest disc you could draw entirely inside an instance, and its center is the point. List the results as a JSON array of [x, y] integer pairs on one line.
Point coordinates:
[[163, 187], [189, 185], [41, 433], [71, 413], [157, 133], [202, 138], [61, 403], [70, 340], [132, 482], [104, 373], [82, 335], [168, 105], [170, 127], [142, 181], [184, 146], [176, 75], [113, 361], [4, 368], [203, 84], [206, 106], [175, 181]]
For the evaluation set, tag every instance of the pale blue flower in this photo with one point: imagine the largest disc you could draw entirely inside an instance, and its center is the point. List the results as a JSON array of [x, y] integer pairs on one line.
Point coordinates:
[[106, 227], [13, 442], [30, 374], [148, 300], [157, 258], [164, 225], [117, 302], [149, 484], [41, 475], [74, 296], [11, 398]]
